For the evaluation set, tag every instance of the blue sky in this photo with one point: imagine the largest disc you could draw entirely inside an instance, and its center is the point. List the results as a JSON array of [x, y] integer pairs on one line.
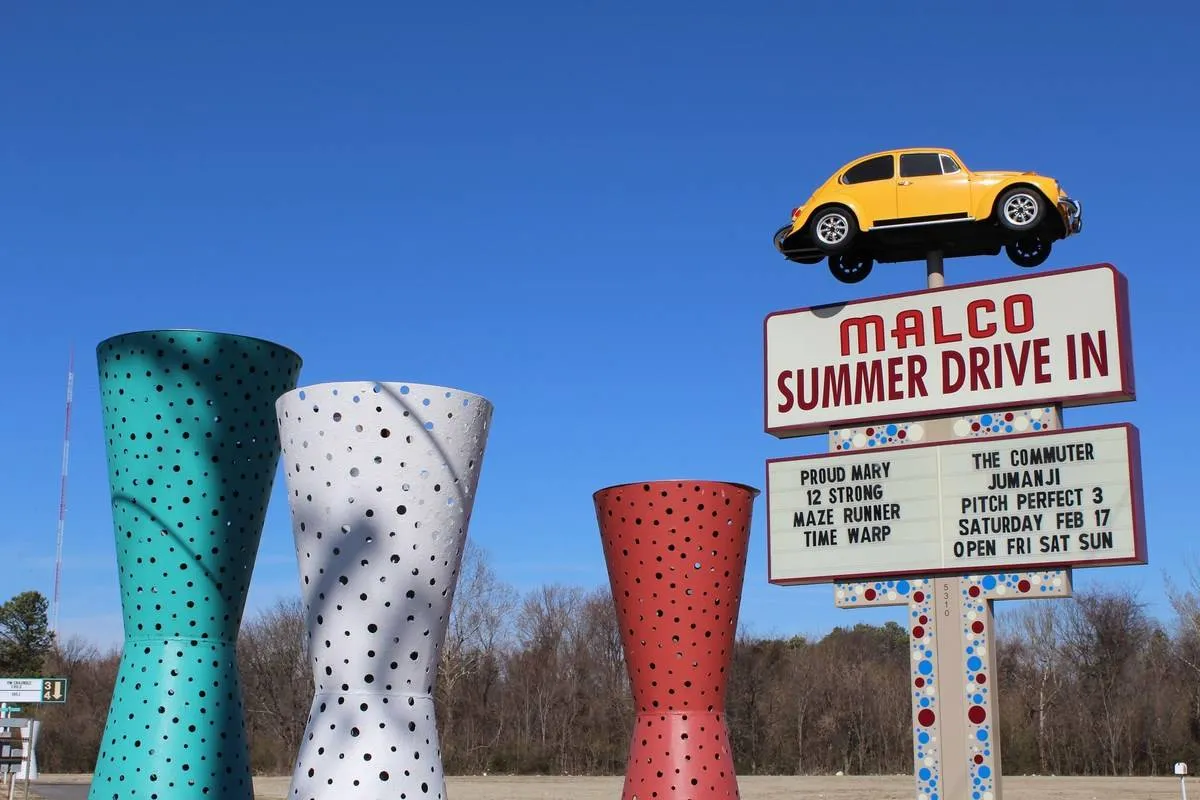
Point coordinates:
[[567, 208]]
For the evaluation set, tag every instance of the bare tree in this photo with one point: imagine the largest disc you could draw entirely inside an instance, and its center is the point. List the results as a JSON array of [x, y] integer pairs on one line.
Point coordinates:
[[1039, 627], [277, 682], [477, 637], [538, 683], [1104, 635], [71, 732]]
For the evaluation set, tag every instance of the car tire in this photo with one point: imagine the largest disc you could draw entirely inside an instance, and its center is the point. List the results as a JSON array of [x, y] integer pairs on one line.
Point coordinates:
[[1028, 253], [833, 229], [851, 268], [1020, 209]]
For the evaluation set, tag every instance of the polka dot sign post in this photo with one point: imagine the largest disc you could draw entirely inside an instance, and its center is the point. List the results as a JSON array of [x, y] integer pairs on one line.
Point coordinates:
[[676, 555], [952, 641], [381, 484], [192, 448]]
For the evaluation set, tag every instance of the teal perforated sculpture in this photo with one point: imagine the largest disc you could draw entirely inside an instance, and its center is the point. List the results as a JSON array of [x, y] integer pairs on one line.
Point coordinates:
[[192, 446]]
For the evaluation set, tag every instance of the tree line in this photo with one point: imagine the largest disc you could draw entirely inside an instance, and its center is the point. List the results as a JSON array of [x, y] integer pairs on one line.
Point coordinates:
[[536, 683]]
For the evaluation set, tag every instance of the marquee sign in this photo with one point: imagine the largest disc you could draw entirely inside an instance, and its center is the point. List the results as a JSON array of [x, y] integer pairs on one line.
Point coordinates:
[[1057, 337], [1022, 502]]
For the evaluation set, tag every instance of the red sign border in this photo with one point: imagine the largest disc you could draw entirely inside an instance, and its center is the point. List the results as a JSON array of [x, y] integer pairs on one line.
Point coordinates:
[[1124, 349], [1136, 499]]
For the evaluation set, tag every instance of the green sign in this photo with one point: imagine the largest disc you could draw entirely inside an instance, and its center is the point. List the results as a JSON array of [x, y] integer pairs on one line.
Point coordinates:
[[54, 690]]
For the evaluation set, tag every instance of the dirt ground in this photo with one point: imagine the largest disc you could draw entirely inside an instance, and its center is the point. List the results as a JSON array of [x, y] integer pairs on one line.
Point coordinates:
[[898, 787]]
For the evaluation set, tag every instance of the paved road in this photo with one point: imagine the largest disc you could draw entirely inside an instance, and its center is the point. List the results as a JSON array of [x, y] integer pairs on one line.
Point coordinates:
[[53, 791]]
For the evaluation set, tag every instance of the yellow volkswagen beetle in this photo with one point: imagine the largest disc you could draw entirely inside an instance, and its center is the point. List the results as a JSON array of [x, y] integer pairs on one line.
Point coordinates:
[[898, 205]]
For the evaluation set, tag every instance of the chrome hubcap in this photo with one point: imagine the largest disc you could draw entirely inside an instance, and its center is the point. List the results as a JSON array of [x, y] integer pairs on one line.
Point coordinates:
[[1020, 209], [832, 229], [1029, 249]]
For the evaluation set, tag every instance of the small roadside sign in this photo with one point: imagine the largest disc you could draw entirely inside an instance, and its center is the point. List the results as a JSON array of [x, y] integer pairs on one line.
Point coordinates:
[[33, 690]]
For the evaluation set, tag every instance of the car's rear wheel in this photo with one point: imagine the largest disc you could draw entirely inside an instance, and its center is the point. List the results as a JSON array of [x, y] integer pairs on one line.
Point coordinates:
[[1020, 209], [851, 268], [1028, 253], [833, 229]]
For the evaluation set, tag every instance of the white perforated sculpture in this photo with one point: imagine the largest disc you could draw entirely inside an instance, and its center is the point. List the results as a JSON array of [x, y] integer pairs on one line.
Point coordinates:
[[381, 479]]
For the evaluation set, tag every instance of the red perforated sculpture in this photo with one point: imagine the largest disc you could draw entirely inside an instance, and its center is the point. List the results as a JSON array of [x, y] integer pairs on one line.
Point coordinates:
[[676, 554]]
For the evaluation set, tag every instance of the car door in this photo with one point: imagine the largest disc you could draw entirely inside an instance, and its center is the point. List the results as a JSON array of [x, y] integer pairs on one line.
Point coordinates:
[[870, 186], [932, 187]]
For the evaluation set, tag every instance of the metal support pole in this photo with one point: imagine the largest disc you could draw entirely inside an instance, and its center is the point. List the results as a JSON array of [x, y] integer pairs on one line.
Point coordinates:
[[934, 271], [27, 750]]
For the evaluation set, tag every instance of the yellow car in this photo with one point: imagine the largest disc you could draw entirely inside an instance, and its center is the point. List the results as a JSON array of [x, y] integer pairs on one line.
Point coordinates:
[[899, 205]]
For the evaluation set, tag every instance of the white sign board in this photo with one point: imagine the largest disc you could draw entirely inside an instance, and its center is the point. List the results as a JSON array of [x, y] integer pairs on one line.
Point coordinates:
[[1057, 337], [1025, 502], [20, 690]]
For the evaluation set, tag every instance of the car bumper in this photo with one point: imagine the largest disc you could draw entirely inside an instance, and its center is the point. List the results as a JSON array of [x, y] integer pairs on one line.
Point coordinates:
[[794, 244], [1072, 214]]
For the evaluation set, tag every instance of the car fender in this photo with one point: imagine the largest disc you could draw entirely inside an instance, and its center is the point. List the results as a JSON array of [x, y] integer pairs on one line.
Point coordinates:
[[989, 193], [806, 215]]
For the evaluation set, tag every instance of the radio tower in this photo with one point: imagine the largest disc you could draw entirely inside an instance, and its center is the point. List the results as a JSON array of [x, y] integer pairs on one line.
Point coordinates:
[[62, 495]]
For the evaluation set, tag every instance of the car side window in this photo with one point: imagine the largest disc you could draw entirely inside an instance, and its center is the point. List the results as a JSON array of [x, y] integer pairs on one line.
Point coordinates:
[[913, 165], [949, 165], [880, 168]]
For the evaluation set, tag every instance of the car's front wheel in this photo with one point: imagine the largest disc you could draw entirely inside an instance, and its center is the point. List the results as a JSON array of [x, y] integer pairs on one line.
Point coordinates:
[[851, 268], [1020, 209], [833, 229]]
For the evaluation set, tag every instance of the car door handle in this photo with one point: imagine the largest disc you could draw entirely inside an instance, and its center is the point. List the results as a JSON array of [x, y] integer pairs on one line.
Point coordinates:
[[905, 183]]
